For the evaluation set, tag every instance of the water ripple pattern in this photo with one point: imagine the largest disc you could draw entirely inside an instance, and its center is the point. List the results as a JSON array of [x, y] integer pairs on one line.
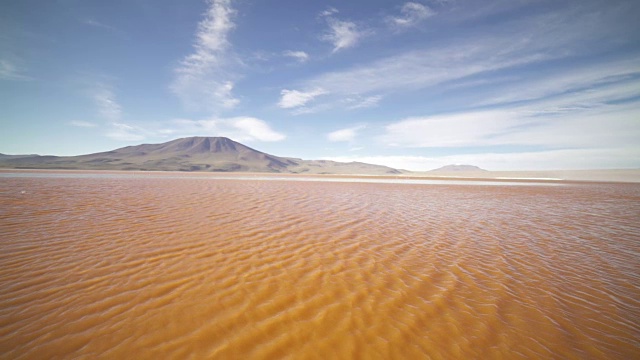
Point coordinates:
[[195, 268]]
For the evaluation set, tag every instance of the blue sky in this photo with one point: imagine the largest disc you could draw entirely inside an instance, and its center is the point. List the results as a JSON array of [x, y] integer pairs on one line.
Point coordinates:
[[501, 84]]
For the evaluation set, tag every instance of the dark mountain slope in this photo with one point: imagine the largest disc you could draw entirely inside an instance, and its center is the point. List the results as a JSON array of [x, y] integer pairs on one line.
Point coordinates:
[[191, 154]]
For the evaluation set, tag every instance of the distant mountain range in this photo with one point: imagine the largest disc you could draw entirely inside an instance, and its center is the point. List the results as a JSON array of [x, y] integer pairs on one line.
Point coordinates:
[[192, 154], [218, 154], [458, 168]]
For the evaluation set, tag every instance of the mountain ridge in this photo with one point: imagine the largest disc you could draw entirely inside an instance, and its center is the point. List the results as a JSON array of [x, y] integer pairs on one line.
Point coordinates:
[[457, 168], [197, 153]]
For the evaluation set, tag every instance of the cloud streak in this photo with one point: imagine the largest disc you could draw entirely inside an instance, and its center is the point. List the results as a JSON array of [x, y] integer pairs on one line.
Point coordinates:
[[299, 56], [603, 117], [344, 135], [203, 81], [354, 103], [425, 68], [578, 78], [412, 14], [106, 102], [293, 98], [341, 34], [111, 111], [83, 124], [241, 128], [479, 58], [124, 132], [416, 70], [97, 24], [10, 71]]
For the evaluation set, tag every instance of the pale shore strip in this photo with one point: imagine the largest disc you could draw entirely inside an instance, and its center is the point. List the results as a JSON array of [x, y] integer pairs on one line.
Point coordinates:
[[558, 176], [620, 175]]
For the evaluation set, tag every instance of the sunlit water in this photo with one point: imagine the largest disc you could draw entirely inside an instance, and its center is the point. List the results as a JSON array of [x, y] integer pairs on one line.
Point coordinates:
[[192, 267]]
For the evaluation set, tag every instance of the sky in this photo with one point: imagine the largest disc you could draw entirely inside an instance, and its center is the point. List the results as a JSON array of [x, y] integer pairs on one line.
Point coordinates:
[[500, 84]]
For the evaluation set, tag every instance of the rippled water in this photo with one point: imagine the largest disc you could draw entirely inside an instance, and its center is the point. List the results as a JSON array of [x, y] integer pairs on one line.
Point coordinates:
[[159, 267]]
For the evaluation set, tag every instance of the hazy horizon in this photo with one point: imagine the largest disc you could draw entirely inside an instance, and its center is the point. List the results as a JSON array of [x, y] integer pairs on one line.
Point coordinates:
[[469, 170]]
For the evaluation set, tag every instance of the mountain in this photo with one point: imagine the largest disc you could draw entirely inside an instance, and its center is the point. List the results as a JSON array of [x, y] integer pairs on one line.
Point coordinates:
[[458, 168], [191, 154], [5, 156]]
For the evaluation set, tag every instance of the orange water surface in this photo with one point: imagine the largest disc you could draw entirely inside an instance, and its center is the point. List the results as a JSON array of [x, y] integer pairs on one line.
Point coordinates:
[[189, 267]]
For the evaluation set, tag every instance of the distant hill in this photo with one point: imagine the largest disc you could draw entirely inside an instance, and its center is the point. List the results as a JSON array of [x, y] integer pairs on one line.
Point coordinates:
[[5, 156], [458, 168], [191, 154]]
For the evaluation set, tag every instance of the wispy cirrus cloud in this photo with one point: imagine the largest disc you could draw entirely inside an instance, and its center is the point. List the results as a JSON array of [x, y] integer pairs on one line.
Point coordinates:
[[589, 121], [480, 58], [96, 24], [125, 132], [328, 12], [82, 124], [341, 34], [360, 102], [10, 71], [105, 100], [557, 83], [294, 98], [411, 14], [345, 135], [203, 80], [411, 71], [424, 68], [603, 117], [110, 110], [454, 130], [299, 56], [241, 128]]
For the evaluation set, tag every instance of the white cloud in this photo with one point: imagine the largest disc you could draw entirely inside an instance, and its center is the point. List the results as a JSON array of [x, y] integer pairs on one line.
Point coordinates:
[[294, 98], [111, 111], [412, 14], [425, 68], [84, 124], [454, 130], [348, 134], [362, 102], [438, 64], [291, 99], [342, 34], [330, 11], [203, 81], [10, 71], [255, 129], [594, 118], [242, 128], [97, 24], [593, 123], [311, 109], [124, 132], [299, 56], [569, 80], [106, 102]]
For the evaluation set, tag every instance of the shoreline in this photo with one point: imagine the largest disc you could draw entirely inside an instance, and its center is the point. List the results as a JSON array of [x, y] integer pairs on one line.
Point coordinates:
[[543, 177]]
